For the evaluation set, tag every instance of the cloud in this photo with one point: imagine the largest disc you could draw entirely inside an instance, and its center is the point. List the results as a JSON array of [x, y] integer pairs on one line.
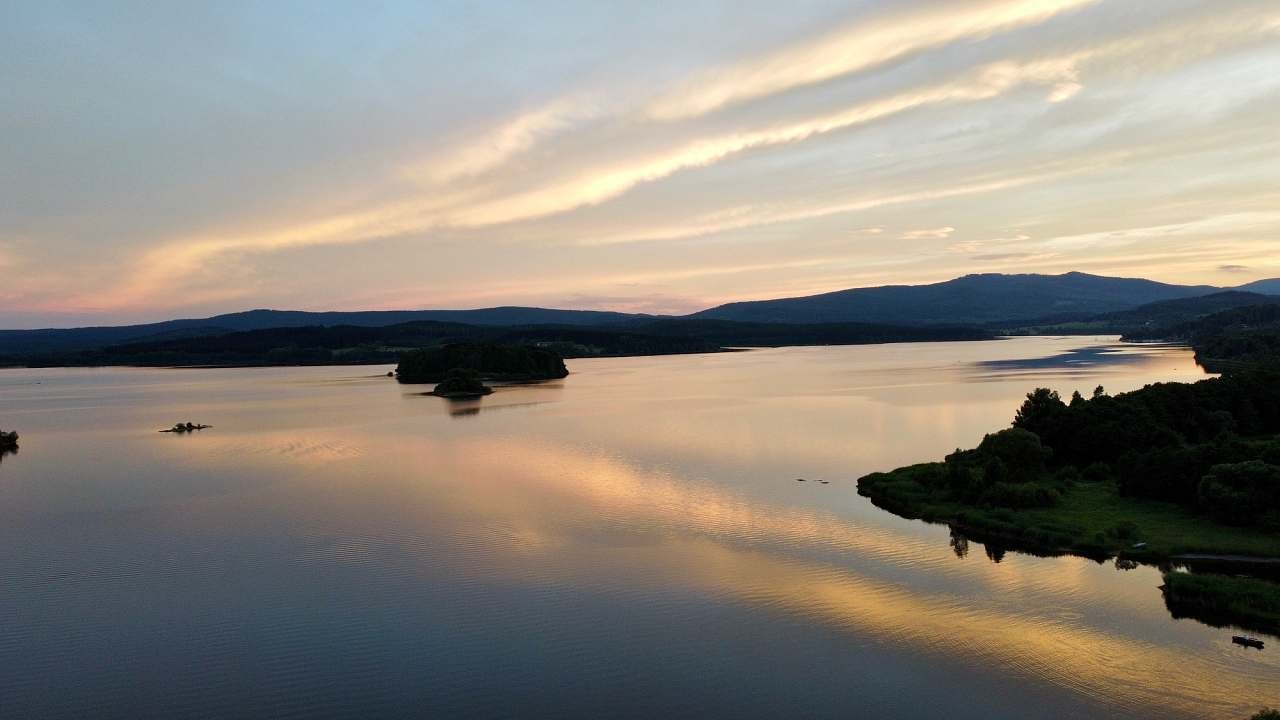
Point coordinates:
[[1004, 256], [849, 50], [1209, 226], [1233, 268], [770, 215], [973, 246], [598, 185], [162, 267], [511, 138], [929, 234], [585, 156]]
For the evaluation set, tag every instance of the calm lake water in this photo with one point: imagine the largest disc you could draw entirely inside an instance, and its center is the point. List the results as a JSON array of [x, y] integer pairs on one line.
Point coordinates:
[[628, 542]]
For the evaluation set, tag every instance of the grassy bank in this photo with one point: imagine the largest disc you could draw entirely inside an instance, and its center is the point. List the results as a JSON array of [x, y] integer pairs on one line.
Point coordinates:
[[1091, 518], [1221, 600]]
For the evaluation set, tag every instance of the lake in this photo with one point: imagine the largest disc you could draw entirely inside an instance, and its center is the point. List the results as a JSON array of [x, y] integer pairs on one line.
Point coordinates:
[[631, 541]]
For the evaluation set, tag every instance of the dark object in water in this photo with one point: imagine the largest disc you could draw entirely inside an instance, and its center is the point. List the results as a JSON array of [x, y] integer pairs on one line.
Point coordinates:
[[1247, 641], [8, 441], [799, 479], [186, 427], [461, 384]]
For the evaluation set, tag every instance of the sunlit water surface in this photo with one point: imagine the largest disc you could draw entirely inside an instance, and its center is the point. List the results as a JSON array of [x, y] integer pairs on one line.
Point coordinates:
[[629, 542]]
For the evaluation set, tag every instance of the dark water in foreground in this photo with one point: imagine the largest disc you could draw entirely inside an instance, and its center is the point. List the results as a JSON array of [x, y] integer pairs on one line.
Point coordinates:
[[629, 542]]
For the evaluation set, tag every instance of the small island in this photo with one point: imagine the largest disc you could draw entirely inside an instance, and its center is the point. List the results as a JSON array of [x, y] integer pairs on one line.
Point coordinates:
[[503, 363], [461, 384], [186, 427], [8, 442], [1180, 474]]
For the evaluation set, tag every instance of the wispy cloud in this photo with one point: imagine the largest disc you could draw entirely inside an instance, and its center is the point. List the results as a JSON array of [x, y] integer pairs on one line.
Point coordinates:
[[967, 247], [167, 264], [601, 184], [941, 233], [856, 48], [730, 152], [1215, 226], [497, 146]]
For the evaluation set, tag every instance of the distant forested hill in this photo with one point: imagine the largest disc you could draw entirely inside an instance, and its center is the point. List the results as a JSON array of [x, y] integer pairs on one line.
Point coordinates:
[[1266, 287], [347, 344], [1049, 302], [66, 339], [1153, 321], [972, 299], [1234, 339]]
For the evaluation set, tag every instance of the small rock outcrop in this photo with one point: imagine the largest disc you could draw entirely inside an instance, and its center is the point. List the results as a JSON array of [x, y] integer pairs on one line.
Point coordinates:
[[8, 442]]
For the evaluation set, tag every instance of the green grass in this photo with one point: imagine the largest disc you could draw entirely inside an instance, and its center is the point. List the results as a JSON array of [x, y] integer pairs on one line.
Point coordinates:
[[1167, 528], [1092, 519], [1220, 599]]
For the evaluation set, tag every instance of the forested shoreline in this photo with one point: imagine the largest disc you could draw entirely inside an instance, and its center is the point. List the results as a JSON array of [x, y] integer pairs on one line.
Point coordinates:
[[1166, 470]]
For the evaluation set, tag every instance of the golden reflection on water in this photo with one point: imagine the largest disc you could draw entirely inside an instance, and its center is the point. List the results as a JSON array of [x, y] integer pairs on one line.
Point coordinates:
[[651, 475], [724, 544]]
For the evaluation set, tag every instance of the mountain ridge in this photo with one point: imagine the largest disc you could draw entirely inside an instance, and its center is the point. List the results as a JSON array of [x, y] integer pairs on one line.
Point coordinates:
[[976, 299]]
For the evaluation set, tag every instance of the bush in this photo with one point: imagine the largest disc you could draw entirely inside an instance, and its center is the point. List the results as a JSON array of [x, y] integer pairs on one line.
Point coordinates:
[[1240, 493], [1097, 473], [1020, 451]]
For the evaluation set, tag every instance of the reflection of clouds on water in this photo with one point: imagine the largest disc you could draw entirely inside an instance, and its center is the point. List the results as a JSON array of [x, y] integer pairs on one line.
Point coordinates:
[[644, 508], [1086, 362], [1016, 612], [1092, 356]]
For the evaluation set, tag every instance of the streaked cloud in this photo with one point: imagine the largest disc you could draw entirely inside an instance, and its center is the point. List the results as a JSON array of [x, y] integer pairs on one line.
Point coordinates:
[[860, 47], [941, 233], [1057, 134]]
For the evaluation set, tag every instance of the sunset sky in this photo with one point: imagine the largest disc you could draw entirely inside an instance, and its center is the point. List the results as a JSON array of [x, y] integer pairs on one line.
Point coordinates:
[[172, 159]]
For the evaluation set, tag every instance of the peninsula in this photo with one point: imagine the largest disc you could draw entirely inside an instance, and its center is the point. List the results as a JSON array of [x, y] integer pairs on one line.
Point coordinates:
[[1170, 472]]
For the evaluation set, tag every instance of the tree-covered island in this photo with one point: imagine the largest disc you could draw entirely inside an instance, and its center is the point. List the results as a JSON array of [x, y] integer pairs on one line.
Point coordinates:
[[509, 363], [1170, 473]]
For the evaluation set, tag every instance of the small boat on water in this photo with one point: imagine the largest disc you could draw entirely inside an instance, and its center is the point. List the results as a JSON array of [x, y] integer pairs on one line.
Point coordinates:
[[1247, 641]]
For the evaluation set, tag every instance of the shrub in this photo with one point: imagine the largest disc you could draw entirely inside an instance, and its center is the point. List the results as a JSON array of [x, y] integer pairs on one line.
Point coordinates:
[[1240, 492], [1020, 451]]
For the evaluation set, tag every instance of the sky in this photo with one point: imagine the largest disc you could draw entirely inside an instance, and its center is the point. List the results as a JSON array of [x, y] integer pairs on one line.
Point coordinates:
[[179, 160]]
